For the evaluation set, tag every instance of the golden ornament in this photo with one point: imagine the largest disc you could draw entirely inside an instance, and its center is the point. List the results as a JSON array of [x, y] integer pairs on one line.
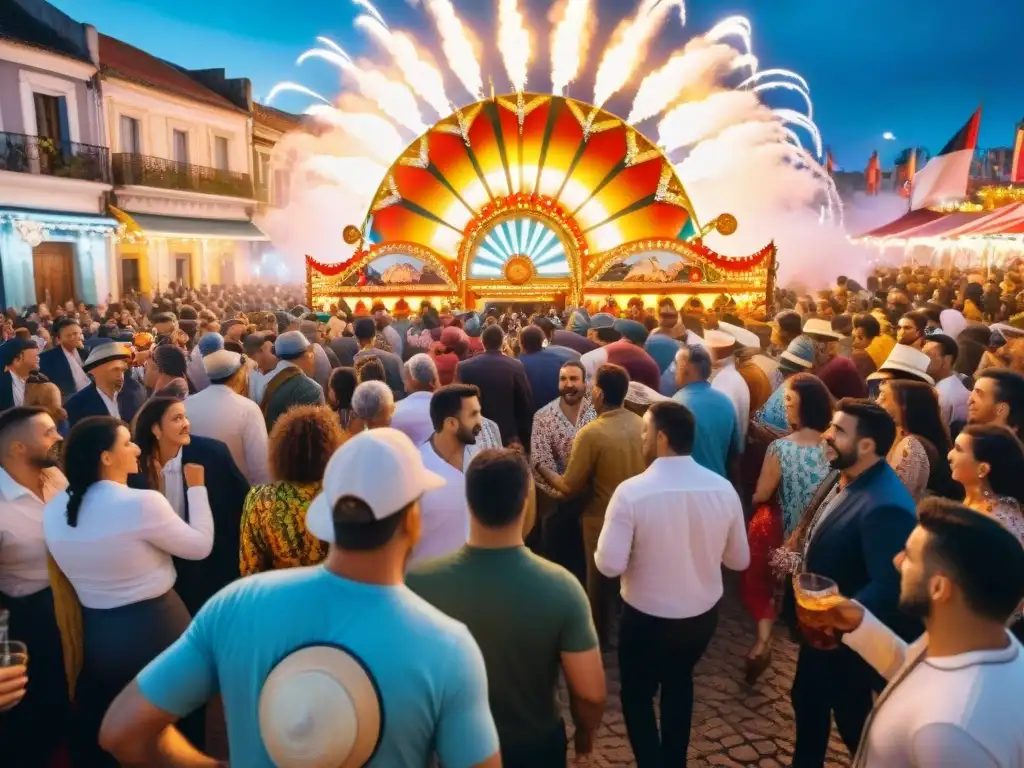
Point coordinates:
[[726, 224], [351, 234], [518, 270]]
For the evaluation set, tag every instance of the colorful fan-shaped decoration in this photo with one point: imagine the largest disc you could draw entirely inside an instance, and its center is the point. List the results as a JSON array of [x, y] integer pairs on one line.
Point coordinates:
[[610, 181]]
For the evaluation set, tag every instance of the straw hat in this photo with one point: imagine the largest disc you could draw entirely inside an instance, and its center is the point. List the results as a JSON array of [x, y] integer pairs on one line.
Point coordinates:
[[320, 708], [106, 353], [908, 360]]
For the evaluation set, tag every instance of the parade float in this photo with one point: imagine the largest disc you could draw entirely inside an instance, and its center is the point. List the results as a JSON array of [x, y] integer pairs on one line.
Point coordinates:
[[541, 199]]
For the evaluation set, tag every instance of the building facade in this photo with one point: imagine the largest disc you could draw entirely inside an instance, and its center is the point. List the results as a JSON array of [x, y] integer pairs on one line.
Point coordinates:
[[56, 243], [182, 171]]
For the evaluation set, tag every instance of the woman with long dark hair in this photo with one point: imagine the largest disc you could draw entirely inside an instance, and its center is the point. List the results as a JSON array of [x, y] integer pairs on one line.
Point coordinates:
[[793, 468], [114, 544], [922, 438], [340, 386], [988, 461]]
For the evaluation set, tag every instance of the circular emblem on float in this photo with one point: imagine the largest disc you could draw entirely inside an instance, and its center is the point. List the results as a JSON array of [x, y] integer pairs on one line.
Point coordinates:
[[518, 269], [695, 275], [351, 234], [726, 224]]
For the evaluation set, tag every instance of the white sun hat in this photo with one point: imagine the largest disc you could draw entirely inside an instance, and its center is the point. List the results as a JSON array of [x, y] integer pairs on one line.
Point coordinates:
[[908, 360], [320, 708]]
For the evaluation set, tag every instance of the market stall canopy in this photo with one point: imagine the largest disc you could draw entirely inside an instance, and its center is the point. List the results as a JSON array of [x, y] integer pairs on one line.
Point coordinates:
[[904, 223], [1008, 220], [939, 227]]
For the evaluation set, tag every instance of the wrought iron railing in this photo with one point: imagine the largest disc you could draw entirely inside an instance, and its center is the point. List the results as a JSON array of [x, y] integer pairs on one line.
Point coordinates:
[[52, 157], [147, 171]]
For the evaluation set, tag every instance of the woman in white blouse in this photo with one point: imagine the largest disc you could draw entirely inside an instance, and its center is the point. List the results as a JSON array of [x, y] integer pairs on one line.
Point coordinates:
[[115, 545]]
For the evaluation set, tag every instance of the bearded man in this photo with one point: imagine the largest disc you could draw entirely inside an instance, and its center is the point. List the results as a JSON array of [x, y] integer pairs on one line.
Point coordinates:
[[457, 418], [32, 730], [852, 537]]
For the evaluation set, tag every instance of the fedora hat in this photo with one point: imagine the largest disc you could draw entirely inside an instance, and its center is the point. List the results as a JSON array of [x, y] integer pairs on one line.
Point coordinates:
[[320, 708], [908, 360], [818, 327], [106, 353]]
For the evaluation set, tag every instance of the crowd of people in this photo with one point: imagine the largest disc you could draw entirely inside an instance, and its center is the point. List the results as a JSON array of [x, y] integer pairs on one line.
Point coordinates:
[[384, 537]]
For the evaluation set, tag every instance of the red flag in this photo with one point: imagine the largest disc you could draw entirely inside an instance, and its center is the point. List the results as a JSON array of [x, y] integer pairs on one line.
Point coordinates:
[[830, 163], [946, 175], [873, 174]]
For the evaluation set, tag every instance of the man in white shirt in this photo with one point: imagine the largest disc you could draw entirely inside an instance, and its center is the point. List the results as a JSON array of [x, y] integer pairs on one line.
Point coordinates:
[[29, 478], [727, 380], [218, 412], [954, 695], [667, 533], [412, 414], [21, 357], [259, 348], [456, 415], [953, 395]]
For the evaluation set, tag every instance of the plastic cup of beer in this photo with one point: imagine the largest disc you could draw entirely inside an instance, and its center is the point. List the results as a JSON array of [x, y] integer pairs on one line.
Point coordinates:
[[13, 654], [814, 596]]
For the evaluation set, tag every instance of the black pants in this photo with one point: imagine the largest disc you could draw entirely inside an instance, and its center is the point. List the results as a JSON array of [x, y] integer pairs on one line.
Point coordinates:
[[550, 752], [31, 731], [561, 538], [828, 682], [660, 653]]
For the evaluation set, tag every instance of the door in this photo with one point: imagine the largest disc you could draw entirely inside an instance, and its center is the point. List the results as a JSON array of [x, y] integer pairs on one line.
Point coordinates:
[[130, 275], [183, 269], [54, 267], [220, 153]]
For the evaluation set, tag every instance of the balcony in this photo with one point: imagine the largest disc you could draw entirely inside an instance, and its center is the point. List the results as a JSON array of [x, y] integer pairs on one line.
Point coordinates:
[[146, 171], [52, 157]]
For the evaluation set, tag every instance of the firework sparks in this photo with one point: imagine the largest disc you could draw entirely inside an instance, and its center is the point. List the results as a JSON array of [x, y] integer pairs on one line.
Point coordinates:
[[457, 46], [629, 45], [422, 77], [569, 42], [513, 43], [787, 86], [367, 6], [289, 87], [697, 63]]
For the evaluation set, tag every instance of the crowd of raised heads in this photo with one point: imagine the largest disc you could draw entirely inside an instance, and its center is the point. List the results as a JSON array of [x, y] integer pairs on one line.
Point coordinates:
[[387, 534]]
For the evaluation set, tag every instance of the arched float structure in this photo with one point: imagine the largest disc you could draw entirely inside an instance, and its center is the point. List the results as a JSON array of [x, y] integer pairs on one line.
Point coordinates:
[[535, 198]]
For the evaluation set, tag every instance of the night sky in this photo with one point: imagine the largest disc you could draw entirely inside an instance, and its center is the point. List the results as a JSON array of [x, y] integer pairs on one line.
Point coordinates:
[[916, 68]]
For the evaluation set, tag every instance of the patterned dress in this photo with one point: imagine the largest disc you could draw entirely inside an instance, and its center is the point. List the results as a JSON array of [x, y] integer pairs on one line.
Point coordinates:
[[274, 531], [552, 436], [803, 469], [1007, 511]]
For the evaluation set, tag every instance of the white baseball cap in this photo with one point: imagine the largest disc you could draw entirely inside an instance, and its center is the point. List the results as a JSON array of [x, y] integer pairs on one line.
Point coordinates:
[[381, 468]]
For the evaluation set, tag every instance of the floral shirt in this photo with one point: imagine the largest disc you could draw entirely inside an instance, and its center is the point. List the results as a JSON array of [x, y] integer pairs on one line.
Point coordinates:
[[773, 412], [274, 531], [910, 460], [552, 437]]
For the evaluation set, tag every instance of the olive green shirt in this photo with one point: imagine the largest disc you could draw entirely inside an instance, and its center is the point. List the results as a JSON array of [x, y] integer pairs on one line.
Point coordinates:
[[605, 452], [523, 611]]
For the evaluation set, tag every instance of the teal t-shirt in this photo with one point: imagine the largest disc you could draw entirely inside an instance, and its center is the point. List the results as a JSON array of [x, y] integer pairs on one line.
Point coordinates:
[[524, 612], [427, 667]]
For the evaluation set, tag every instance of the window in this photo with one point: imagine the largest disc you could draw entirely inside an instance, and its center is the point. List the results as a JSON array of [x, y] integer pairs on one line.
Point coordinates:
[[180, 147], [51, 117], [220, 153], [130, 135]]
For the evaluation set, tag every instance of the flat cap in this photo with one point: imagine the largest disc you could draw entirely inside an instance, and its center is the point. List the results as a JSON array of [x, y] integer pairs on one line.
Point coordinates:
[[290, 344]]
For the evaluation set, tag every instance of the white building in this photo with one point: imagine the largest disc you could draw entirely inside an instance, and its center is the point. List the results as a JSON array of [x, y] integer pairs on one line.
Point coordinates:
[[55, 241], [182, 171]]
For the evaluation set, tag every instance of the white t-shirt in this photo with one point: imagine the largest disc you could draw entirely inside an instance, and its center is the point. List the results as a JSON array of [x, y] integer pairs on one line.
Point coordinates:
[[965, 711], [953, 397], [444, 511]]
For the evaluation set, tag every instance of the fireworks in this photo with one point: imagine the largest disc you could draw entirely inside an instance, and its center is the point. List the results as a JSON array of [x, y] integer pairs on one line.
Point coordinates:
[[706, 103]]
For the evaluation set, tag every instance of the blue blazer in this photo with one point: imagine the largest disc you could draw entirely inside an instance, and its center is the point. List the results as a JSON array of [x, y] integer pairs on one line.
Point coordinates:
[[6, 390], [542, 369], [855, 545], [199, 580], [89, 403], [54, 364]]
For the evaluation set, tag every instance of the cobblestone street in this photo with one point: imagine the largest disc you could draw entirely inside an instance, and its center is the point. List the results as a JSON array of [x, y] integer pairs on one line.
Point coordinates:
[[733, 724]]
